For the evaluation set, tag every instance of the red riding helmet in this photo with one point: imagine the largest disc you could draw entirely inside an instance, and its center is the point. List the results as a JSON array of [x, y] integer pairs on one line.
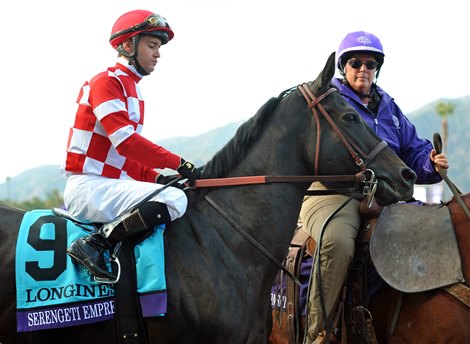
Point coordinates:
[[137, 22]]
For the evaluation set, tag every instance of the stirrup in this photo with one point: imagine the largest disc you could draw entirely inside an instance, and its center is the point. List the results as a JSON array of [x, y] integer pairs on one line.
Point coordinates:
[[112, 260]]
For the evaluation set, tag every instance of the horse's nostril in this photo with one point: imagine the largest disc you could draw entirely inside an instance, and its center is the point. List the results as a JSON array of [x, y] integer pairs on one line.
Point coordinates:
[[409, 175]]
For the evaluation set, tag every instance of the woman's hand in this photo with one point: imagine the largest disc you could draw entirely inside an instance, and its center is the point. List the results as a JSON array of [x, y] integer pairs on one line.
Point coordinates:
[[439, 160]]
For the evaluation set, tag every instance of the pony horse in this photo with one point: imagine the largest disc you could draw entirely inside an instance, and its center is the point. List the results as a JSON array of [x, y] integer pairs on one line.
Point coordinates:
[[423, 255], [437, 316], [218, 282]]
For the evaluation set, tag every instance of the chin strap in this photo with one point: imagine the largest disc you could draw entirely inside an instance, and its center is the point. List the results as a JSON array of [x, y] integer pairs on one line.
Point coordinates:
[[138, 67], [133, 55]]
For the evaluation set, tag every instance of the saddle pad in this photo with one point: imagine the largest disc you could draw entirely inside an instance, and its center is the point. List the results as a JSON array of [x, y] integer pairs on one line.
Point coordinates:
[[52, 292], [279, 288], [414, 247]]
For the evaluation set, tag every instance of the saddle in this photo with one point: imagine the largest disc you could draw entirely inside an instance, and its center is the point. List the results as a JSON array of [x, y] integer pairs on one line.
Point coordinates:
[[286, 295], [289, 300], [396, 245], [129, 321]]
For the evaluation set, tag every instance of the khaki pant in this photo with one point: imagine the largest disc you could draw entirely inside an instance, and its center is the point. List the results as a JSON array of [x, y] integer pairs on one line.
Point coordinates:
[[336, 253]]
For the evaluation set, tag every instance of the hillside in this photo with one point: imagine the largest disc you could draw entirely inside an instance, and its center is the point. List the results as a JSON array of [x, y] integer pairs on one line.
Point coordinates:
[[39, 181], [35, 182]]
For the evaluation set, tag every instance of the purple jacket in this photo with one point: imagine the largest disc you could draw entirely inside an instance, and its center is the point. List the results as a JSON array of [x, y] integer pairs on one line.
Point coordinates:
[[392, 126]]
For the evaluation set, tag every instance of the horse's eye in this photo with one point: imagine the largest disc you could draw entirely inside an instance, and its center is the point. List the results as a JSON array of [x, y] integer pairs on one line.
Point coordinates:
[[351, 118]]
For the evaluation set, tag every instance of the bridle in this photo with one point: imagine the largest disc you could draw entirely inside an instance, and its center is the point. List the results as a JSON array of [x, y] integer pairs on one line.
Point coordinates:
[[354, 150], [361, 158], [365, 176]]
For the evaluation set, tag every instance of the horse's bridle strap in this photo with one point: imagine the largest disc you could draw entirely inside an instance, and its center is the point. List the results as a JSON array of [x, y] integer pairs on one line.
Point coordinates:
[[376, 151], [249, 180]]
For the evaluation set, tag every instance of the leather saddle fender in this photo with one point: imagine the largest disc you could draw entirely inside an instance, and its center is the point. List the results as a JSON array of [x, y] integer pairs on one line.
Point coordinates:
[[414, 247]]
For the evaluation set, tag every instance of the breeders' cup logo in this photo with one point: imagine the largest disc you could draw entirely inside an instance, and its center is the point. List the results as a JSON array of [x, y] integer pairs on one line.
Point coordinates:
[[364, 40], [396, 122]]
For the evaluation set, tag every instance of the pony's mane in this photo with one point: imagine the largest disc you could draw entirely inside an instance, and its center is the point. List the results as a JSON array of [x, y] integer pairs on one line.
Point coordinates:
[[235, 150]]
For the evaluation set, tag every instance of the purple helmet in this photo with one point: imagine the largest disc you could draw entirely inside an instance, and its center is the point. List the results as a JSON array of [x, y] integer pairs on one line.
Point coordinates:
[[359, 42]]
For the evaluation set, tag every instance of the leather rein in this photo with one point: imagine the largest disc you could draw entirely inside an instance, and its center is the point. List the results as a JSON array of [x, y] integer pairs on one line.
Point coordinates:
[[357, 154], [365, 176]]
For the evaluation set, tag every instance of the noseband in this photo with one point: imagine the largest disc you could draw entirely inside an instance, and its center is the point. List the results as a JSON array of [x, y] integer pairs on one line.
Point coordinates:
[[361, 158]]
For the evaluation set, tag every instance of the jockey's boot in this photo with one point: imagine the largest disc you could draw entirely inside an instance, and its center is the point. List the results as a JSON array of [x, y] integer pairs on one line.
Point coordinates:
[[89, 251], [137, 224]]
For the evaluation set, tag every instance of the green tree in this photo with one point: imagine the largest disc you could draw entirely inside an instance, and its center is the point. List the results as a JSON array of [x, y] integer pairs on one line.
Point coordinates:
[[445, 109]]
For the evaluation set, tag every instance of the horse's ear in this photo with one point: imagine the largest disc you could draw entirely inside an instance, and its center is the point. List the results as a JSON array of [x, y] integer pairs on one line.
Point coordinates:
[[328, 72]]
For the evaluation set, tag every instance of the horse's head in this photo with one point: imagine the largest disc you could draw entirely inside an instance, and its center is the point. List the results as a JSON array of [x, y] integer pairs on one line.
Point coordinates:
[[355, 138], [286, 138]]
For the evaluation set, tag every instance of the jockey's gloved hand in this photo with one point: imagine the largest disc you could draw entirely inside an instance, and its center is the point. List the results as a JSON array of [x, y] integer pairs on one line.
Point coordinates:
[[162, 179], [189, 171]]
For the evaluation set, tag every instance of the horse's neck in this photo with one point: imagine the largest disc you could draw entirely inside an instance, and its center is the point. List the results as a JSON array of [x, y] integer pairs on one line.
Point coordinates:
[[260, 206], [269, 200], [267, 212]]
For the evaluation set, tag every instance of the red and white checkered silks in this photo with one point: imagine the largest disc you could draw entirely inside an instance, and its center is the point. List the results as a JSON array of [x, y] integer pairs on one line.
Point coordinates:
[[105, 139]]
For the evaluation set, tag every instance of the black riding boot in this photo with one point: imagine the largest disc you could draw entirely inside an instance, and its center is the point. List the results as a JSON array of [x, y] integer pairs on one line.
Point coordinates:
[[89, 251]]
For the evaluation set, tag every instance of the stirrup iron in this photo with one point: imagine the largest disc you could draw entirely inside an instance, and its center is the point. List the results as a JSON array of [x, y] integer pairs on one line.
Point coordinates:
[[112, 260]]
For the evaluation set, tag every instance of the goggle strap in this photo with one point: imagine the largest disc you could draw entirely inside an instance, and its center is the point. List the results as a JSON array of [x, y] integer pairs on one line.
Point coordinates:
[[139, 26]]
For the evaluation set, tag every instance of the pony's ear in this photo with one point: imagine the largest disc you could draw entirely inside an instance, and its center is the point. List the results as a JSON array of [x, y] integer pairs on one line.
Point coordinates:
[[328, 72]]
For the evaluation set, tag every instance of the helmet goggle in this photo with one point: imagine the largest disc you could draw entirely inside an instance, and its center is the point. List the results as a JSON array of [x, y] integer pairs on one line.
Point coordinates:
[[154, 20]]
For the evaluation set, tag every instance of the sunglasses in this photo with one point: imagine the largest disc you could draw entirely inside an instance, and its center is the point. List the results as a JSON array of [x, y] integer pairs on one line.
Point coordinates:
[[357, 64], [154, 20]]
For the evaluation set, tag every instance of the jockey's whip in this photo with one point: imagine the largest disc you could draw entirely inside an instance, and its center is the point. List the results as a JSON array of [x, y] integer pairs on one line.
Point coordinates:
[[156, 192]]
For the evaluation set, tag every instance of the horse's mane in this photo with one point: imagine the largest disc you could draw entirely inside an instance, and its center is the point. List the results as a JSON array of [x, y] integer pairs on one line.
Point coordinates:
[[235, 150]]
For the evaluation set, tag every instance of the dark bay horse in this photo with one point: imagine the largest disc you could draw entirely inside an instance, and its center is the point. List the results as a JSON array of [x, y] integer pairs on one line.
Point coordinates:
[[429, 317], [218, 282]]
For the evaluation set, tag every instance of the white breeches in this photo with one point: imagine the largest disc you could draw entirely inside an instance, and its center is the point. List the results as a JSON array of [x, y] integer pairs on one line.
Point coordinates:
[[90, 198]]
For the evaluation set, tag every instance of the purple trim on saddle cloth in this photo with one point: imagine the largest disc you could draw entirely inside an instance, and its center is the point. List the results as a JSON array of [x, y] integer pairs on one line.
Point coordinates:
[[305, 270], [81, 313], [374, 283], [153, 304], [278, 291], [72, 314]]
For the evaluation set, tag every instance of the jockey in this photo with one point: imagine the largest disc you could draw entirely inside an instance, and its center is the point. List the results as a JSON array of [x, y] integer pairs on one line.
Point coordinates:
[[359, 58], [110, 167]]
